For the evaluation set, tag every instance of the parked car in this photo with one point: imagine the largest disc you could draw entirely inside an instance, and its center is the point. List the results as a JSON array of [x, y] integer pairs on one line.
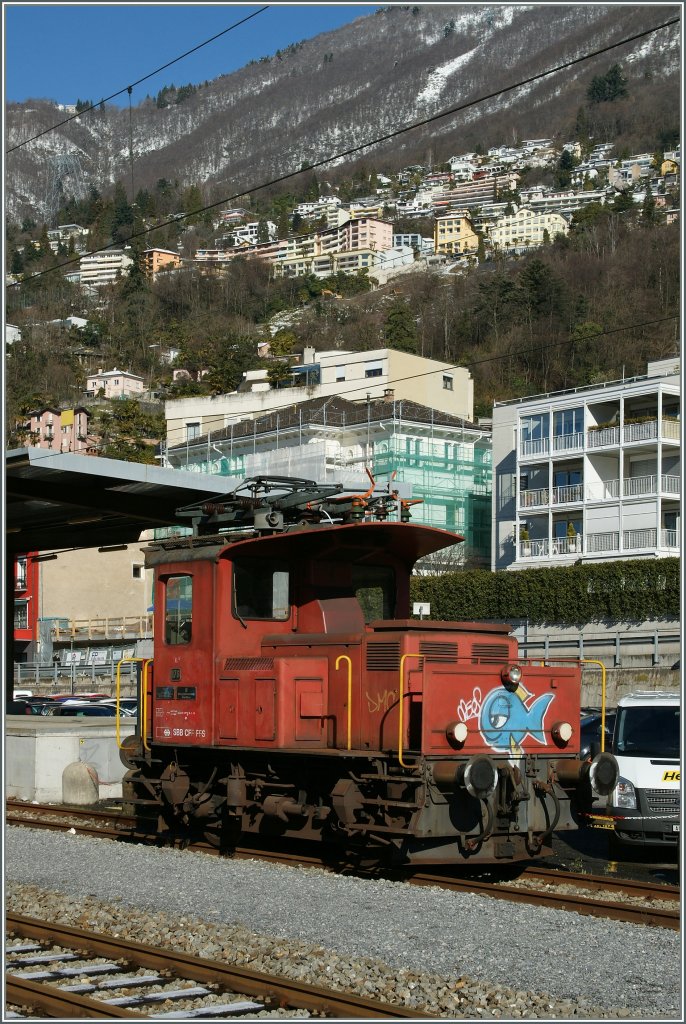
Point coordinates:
[[128, 707], [590, 732], [85, 709]]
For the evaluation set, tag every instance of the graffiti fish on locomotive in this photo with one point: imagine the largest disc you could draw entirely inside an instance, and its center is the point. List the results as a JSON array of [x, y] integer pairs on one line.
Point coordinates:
[[292, 695]]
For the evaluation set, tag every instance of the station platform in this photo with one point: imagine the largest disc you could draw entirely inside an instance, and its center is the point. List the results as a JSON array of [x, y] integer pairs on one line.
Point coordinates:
[[43, 755]]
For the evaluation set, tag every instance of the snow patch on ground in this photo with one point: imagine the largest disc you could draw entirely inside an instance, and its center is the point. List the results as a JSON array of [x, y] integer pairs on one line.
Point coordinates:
[[438, 78]]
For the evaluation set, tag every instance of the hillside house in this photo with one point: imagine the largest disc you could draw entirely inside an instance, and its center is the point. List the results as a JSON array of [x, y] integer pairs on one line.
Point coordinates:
[[114, 384]]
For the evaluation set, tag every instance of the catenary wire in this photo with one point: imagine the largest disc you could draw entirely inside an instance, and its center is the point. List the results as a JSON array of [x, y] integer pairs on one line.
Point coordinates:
[[357, 149], [129, 88]]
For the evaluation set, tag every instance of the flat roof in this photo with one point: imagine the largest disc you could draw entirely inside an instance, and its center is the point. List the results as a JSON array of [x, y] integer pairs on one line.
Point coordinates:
[[63, 500]]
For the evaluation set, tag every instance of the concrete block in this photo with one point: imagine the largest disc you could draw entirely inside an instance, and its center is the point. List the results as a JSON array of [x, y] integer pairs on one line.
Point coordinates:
[[80, 784]]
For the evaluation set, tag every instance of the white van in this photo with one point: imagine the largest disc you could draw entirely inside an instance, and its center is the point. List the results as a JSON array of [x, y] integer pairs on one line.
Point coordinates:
[[646, 803], [20, 694]]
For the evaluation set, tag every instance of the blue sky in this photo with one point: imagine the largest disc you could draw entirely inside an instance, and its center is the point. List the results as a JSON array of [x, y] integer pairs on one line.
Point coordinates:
[[66, 52]]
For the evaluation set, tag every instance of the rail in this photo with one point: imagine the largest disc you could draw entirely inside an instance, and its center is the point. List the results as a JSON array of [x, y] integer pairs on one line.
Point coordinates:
[[345, 657], [115, 627]]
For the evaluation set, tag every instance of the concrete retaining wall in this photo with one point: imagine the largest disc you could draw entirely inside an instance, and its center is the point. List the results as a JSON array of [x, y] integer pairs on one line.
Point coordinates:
[[37, 750], [620, 681]]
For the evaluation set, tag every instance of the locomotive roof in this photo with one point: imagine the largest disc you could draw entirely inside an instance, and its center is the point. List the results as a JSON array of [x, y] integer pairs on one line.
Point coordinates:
[[350, 542]]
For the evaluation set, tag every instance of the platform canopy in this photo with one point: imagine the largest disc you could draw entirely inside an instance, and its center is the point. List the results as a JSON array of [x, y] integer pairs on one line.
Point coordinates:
[[56, 500]]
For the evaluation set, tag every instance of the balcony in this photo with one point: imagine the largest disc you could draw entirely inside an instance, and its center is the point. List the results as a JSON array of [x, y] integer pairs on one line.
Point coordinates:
[[602, 490], [599, 543], [640, 486], [531, 498], [669, 539], [533, 549], [541, 446], [568, 442], [640, 540], [671, 484], [671, 430], [604, 437], [547, 549], [568, 493], [632, 432]]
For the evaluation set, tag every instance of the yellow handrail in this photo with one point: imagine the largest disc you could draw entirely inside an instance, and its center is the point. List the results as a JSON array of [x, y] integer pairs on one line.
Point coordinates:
[[144, 687], [401, 709], [345, 657], [603, 681]]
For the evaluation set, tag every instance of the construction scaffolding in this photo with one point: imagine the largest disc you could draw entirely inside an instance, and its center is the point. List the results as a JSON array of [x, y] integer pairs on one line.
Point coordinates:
[[446, 461]]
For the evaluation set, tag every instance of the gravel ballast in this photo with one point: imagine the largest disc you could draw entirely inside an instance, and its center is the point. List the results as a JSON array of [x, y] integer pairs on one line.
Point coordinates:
[[451, 954]]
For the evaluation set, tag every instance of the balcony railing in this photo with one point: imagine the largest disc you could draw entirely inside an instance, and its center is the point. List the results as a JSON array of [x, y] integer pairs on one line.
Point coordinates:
[[570, 492], [545, 548], [638, 540], [568, 442], [671, 430], [533, 549], [527, 499], [671, 484], [669, 539], [597, 543], [603, 437], [638, 486], [541, 446], [640, 431], [602, 490], [112, 628]]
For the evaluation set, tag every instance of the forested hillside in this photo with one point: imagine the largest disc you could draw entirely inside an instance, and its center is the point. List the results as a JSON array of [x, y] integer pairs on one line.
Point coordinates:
[[594, 306]]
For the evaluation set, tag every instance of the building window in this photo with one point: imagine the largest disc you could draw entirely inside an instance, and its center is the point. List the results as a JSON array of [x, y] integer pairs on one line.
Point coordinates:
[[571, 421], [192, 431], [340, 373], [21, 615], [137, 572], [447, 382], [374, 369], [534, 428]]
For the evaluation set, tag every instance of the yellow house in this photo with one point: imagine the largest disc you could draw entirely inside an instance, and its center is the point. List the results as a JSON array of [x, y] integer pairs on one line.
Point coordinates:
[[454, 233], [669, 167]]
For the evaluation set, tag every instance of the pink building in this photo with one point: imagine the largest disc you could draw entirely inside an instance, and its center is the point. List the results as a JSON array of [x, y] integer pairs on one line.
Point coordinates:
[[115, 384], [64, 430]]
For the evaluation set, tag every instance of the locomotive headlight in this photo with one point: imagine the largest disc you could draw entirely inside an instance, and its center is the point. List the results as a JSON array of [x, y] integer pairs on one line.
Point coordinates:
[[456, 733], [562, 733], [511, 676], [479, 776]]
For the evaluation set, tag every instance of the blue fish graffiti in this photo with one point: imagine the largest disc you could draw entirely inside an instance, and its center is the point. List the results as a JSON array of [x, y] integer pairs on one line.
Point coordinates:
[[506, 719]]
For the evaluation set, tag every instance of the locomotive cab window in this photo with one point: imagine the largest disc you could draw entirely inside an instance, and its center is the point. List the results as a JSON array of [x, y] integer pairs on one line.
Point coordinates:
[[178, 609], [374, 587], [261, 591]]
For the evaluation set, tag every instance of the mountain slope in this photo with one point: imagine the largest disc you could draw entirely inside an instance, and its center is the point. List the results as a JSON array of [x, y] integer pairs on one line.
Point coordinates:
[[372, 77]]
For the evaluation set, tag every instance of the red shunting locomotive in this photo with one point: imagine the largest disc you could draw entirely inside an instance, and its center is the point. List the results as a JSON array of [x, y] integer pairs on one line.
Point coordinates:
[[292, 695]]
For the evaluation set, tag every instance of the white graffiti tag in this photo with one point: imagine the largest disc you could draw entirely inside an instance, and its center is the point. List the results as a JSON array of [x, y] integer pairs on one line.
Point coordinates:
[[467, 709]]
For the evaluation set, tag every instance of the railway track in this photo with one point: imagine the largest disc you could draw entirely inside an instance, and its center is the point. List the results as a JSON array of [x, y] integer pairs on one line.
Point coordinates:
[[65, 972], [635, 902]]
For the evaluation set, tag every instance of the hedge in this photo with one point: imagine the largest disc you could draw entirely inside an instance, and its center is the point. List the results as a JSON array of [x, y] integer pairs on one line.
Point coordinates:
[[626, 591]]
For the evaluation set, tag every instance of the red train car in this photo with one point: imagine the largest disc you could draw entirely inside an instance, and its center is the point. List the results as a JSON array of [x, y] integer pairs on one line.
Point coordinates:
[[291, 694]]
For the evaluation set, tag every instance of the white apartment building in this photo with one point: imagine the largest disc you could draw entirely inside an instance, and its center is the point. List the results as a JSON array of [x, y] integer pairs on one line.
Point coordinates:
[[589, 474], [525, 229], [354, 375], [104, 267]]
